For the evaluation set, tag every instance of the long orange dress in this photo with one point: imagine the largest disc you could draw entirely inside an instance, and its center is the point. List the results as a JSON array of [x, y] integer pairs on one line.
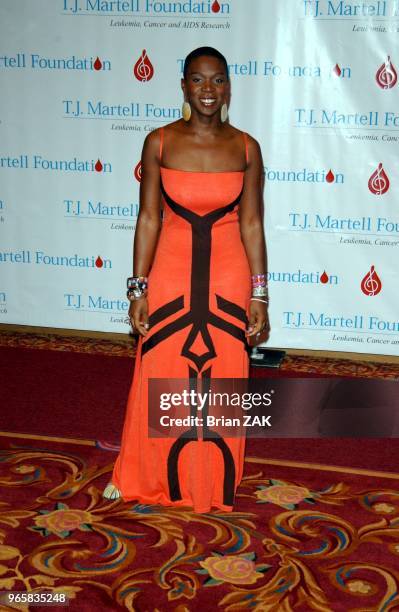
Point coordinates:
[[199, 287]]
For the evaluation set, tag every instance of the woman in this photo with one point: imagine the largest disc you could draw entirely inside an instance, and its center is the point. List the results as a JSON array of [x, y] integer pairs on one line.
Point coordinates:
[[193, 317]]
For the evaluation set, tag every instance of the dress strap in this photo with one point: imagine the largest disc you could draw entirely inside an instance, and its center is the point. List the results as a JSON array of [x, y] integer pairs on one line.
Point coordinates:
[[245, 136], [160, 143]]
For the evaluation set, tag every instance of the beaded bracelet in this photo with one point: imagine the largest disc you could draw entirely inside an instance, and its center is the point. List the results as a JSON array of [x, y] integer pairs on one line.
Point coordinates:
[[258, 279]]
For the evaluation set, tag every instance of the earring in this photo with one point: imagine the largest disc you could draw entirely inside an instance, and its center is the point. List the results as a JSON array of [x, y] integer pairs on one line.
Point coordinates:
[[186, 111], [224, 113]]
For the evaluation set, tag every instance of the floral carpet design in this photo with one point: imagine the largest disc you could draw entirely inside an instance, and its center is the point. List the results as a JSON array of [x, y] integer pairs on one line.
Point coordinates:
[[299, 539]]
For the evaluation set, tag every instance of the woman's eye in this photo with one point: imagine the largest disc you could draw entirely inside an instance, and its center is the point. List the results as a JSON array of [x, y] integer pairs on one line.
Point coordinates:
[[219, 81]]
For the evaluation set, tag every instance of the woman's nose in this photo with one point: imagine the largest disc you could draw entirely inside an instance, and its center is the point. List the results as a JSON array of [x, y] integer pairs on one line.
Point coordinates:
[[207, 85]]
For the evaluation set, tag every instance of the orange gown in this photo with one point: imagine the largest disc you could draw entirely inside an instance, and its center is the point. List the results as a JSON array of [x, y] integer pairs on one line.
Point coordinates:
[[199, 287]]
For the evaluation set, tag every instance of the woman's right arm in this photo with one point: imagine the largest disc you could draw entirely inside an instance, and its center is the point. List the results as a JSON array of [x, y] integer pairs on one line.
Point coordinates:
[[148, 225]]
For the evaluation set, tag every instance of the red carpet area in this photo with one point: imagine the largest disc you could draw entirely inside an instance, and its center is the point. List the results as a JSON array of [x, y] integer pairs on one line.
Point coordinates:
[[315, 526], [300, 538]]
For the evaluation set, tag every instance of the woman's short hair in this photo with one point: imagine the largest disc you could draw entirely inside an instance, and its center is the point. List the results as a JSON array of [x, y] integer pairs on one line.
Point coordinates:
[[207, 52]]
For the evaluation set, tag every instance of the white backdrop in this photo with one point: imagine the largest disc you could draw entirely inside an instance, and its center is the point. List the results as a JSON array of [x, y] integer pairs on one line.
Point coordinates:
[[84, 81]]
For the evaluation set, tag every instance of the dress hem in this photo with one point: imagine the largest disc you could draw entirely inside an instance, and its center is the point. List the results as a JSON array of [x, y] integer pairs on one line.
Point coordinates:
[[182, 503]]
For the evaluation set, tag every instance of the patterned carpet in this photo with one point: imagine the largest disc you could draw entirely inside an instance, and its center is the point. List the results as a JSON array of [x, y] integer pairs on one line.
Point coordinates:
[[300, 538], [298, 364], [76, 344], [304, 535]]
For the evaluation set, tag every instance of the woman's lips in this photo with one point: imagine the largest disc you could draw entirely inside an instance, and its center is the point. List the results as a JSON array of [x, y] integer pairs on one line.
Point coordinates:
[[208, 101]]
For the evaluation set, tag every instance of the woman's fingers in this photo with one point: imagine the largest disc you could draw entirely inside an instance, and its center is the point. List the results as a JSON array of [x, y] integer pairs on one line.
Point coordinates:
[[251, 325], [138, 314], [258, 319], [256, 328], [140, 323], [141, 328]]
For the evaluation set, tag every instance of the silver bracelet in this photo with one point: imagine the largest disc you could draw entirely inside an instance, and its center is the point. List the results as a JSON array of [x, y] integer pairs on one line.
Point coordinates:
[[135, 294], [260, 291], [136, 287]]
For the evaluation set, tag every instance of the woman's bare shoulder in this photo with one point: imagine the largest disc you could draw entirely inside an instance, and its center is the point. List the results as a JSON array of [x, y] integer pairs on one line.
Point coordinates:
[[237, 133], [155, 136], [254, 149], [175, 126], [152, 140]]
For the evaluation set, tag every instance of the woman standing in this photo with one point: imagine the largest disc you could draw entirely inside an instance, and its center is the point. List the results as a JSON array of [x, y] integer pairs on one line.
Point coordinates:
[[206, 290]]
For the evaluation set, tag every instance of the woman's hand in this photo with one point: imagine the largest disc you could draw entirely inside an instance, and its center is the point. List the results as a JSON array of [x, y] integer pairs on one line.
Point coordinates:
[[259, 326], [138, 315]]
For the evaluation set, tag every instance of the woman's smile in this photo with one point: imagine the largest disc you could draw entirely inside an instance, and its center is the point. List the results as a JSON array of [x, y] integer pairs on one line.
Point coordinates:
[[207, 101]]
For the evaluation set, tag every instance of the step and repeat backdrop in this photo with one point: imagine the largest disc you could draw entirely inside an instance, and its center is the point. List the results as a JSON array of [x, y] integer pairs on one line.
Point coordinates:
[[315, 81]]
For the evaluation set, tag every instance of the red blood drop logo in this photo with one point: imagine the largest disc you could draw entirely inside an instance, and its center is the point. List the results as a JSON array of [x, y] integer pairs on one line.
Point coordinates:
[[337, 70], [324, 278], [143, 69], [330, 177], [386, 76], [99, 262], [371, 283], [98, 167], [137, 171], [215, 7], [97, 64], [379, 181]]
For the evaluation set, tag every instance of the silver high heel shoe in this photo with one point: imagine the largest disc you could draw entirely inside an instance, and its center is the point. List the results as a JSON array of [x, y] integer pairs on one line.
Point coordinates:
[[111, 492]]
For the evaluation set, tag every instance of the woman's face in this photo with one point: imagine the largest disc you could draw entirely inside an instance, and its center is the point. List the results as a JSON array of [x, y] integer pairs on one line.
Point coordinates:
[[206, 86]]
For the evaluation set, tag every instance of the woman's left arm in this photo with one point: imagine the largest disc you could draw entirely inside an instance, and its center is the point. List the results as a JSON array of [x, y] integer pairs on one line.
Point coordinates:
[[252, 234]]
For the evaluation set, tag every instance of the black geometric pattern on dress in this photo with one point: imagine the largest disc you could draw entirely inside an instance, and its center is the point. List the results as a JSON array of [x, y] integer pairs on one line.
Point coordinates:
[[212, 436], [199, 314], [177, 446], [166, 310], [208, 435], [198, 317], [231, 308]]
